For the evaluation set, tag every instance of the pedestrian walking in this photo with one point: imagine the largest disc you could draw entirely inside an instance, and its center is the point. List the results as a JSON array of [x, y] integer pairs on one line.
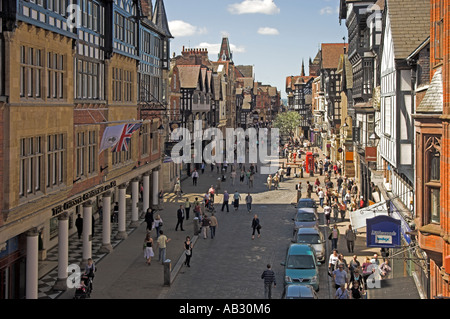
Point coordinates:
[[213, 225], [357, 290], [309, 189], [327, 213], [206, 222], [158, 225], [226, 198], [385, 269], [269, 280], [149, 219], [236, 198], [354, 265], [188, 251], [368, 270], [341, 293], [340, 277], [298, 188], [350, 237], [357, 276], [321, 195], [115, 214], [233, 177], [242, 177], [162, 246], [248, 201], [180, 218], [194, 177], [197, 208], [187, 208], [250, 180], [177, 190], [342, 210], [256, 226], [269, 182], [148, 249], [335, 209], [334, 236], [332, 261], [79, 225]]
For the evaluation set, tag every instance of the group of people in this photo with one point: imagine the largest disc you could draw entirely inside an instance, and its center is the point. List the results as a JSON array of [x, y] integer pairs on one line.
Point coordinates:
[[154, 222], [353, 279]]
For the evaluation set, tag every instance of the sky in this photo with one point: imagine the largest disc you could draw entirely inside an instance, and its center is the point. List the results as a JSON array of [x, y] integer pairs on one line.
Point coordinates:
[[272, 35]]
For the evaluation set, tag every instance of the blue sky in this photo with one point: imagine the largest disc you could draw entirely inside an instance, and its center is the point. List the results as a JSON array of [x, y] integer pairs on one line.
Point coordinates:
[[272, 35]]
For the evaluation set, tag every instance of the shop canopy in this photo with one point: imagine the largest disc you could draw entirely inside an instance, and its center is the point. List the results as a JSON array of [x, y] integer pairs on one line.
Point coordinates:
[[358, 217]]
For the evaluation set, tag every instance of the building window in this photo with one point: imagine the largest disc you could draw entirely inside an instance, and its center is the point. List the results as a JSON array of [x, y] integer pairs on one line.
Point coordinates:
[[55, 160], [89, 80], [155, 138], [439, 32], [31, 161], [117, 84], [55, 76], [86, 153], [432, 177], [31, 68], [145, 134], [128, 86]]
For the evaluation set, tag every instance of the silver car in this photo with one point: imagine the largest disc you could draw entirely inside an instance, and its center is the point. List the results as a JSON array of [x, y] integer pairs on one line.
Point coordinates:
[[313, 237], [305, 217]]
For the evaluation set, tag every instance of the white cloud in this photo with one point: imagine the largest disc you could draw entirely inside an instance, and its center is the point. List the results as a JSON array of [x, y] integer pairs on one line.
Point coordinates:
[[329, 10], [180, 28], [254, 6], [214, 48], [268, 31]]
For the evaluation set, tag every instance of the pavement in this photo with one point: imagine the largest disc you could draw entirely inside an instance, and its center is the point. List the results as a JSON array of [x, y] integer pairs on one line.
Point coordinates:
[[227, 267]]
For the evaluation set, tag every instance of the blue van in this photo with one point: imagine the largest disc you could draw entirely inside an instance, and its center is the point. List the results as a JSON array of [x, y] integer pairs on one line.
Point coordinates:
[[301, 266]]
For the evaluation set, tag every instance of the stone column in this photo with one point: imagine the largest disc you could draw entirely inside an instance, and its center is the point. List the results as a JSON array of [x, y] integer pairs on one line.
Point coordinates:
[[146, 195], [122, 234], [106, 224], [32, 265], [63, 252], [87, 231], [155, 189], [134, 203]]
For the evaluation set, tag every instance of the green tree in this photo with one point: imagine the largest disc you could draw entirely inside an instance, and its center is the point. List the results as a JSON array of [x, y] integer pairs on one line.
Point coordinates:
[[287, 122]]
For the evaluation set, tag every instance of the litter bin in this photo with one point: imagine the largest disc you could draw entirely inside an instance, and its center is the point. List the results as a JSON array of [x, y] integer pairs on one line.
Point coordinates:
[[196, 226]]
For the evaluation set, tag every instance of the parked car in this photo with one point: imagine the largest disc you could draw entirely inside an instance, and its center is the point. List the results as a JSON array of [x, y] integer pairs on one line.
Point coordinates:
[[305, 217], [313, 237], [299, 292], [307, 203], [301, 266]]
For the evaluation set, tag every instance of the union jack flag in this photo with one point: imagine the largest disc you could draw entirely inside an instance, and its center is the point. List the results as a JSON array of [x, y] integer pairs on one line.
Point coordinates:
[[125, 137]]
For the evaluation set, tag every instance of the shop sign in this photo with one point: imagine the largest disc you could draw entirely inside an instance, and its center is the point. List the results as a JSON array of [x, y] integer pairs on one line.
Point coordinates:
[[383, 232], [82, 198]]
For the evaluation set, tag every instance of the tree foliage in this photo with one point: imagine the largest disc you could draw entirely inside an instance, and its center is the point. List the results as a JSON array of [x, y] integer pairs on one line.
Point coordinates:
[[287, 122]]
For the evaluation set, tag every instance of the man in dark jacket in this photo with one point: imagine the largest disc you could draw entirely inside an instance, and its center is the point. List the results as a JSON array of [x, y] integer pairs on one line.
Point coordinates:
[[269, 278], [180, 217], [79, 225]]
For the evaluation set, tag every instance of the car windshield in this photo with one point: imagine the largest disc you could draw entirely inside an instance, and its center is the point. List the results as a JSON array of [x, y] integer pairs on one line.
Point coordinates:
[[305, 217], [300, 262], [308, 239], [308, 204]]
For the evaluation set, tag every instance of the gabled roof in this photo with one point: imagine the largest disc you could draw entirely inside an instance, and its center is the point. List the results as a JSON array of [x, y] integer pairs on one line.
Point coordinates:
[[433, 102], [410, 24], [160, 18], [225, 51], [331, 53], [189, 76]]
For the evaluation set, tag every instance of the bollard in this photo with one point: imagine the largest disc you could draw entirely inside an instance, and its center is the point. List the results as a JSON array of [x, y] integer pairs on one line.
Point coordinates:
[[196, 226], [167, 272]]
